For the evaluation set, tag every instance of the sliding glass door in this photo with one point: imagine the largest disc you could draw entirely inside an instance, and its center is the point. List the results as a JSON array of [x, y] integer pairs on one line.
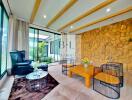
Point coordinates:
[[33, 44], [44, 46], [55, 47], [4, 43], [3, 39]]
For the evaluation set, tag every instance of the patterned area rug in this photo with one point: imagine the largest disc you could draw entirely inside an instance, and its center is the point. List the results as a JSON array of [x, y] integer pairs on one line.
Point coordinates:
[[20, 92]]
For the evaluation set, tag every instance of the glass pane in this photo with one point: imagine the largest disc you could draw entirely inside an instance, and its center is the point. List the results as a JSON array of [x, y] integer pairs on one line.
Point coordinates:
[[31, 39], [35, 45], [51, 46], [44, 46], [0, 38], [4, 43], [57, 47], [0, 17]]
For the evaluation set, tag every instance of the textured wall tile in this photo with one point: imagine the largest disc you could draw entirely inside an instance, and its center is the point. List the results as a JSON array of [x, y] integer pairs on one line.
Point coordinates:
[[107, 43]]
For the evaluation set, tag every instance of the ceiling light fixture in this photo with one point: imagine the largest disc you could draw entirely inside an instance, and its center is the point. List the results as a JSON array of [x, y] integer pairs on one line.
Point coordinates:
[[108, 10], [71, 27], [44, 16]]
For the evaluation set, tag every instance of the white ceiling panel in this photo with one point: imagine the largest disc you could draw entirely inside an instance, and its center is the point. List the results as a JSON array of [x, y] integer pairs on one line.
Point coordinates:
[[49, 8], [106, 22], [22, 8], [115, 7], [77, 9]]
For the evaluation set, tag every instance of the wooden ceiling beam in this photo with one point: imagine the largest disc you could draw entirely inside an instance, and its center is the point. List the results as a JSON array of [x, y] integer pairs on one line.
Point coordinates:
[[87, 13], [35, 9], [61, 12], [103, 19]]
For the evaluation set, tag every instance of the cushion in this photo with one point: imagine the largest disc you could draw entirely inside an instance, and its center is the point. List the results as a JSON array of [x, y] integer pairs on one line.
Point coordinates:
[[107, 78]]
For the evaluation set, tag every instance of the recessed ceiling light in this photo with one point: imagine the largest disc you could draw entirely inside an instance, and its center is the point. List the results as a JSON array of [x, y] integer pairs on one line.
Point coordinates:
[[108, 10], [44, 16], [71, 26]]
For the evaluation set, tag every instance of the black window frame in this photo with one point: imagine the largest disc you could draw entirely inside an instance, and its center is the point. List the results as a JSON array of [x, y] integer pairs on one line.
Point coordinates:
[[3, 10]]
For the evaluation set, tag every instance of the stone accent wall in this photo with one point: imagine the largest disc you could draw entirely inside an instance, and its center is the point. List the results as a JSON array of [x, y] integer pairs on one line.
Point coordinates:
[[109, 43], [78, 49]]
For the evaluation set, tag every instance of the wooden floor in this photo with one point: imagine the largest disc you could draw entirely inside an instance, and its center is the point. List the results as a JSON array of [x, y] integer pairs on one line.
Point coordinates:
[[74, 88]]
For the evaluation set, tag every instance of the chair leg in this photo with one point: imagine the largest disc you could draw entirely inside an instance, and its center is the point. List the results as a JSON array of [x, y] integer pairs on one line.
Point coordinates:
[[122, 81], [62, 69], [66, 71], [93, 83]]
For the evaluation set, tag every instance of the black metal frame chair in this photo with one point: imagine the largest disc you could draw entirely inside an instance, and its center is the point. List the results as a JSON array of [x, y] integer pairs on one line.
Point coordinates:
[[121, 72], [66, 64], [109, 89]]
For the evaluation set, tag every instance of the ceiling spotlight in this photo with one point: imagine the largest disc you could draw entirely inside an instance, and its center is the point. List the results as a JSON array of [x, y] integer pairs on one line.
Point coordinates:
[[44, 16], [71, 27], [108, 10]]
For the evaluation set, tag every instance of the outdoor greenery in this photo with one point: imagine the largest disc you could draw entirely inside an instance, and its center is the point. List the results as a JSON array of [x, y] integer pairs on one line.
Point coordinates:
[[42, 53], [41, 49], [47, 60]]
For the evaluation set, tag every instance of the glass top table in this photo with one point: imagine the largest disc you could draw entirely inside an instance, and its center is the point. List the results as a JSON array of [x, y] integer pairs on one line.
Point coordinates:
[[36, 80], [36, 75]]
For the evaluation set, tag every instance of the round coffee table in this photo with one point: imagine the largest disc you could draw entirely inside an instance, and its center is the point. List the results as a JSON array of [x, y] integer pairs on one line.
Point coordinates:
[[36, 80]]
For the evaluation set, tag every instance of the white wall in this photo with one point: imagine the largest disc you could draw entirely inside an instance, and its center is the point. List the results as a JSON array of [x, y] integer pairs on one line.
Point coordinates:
[[68, 51], [71, 40]]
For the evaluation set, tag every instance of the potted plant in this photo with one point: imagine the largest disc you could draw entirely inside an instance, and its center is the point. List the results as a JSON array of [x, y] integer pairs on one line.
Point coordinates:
[[85, 62]]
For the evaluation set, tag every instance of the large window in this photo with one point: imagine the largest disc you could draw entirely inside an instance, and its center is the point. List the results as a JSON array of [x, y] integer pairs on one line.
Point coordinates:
[[33, 44], [3, 39], [55, 46], [43, 45]]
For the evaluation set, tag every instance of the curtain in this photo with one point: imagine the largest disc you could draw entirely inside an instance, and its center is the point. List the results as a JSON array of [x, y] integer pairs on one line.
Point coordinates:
[[12, 23], [22, 37], [18, 38]]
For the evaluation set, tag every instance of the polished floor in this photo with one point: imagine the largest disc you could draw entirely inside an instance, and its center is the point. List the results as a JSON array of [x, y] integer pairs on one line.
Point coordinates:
[[74, 88]]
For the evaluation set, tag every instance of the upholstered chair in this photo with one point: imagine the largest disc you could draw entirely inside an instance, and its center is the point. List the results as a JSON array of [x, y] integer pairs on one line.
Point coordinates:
[[20, 66]]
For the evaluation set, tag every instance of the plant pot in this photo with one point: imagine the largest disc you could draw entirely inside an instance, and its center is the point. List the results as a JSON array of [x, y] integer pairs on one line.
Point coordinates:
[[85, 65]]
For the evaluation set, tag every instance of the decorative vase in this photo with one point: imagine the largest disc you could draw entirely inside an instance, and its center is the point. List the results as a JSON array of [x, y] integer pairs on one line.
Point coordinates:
[[35, 65], [35, 69], [85, 65]]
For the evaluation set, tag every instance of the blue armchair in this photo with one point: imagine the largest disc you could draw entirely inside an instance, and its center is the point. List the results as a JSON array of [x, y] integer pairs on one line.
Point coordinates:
[[20, 66]]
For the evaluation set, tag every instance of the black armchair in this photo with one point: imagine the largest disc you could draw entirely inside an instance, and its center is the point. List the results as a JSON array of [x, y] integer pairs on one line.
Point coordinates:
[[20, 66]]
